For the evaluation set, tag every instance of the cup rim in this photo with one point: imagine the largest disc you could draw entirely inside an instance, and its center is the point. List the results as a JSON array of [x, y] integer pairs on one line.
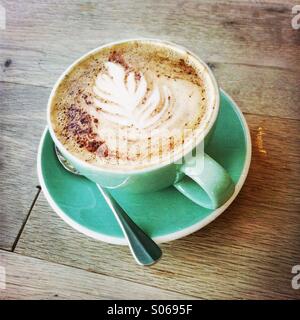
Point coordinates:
[[153, 167]]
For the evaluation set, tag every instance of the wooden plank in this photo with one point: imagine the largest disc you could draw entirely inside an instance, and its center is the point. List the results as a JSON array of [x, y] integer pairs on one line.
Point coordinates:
[[248, 252], [21, 124], [259, 90], [29, 278], [239, 38]]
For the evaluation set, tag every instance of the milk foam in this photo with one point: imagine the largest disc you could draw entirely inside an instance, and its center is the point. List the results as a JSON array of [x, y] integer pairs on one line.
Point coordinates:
[[132, 110]]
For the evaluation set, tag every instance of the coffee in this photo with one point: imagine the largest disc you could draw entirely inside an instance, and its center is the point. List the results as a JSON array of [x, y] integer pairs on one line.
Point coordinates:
[[131, 105]]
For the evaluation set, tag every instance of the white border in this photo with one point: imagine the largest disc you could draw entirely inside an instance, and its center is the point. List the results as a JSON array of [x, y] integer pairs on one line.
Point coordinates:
[[165, 238]]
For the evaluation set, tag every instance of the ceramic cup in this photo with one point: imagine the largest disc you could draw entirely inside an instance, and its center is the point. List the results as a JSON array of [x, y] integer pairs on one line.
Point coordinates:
[[208, 184]]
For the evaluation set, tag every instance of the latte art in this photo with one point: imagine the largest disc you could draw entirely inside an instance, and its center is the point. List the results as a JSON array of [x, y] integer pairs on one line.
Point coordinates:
[[125, 100], [131, 105]]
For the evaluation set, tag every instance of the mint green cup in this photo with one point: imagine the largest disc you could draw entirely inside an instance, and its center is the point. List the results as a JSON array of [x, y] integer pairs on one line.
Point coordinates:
[[208, 184]]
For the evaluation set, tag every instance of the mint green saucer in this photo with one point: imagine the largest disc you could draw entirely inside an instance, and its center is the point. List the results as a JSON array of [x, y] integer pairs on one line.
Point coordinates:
[[164, 215]]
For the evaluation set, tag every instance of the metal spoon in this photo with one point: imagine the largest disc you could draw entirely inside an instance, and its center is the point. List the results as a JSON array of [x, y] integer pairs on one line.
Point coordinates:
[[145, 251]]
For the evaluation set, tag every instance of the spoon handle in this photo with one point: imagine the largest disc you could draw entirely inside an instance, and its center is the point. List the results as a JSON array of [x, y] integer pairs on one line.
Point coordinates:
[[142, 247]]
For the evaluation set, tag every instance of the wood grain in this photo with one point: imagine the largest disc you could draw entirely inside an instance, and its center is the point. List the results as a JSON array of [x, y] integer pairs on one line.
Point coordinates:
[[246, 253], [21, 124], [249, 251], [28, 278], [264, 91], [256, 64], [251, 45]]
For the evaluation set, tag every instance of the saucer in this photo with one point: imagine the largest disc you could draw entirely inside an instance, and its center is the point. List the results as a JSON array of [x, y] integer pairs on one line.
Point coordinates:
[[164, 215]]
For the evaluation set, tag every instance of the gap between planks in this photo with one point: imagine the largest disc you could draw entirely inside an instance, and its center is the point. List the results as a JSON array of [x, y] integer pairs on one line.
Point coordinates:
[[26, 84], [26, 219]]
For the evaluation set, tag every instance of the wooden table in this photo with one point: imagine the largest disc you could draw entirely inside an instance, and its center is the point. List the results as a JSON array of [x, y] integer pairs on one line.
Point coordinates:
[[249, 251]]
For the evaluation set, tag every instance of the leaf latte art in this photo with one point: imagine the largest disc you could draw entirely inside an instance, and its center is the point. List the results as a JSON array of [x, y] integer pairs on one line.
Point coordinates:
[[125, 97]]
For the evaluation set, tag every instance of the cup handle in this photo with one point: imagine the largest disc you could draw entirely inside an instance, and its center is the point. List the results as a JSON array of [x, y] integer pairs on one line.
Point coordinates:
[[209, 186]]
